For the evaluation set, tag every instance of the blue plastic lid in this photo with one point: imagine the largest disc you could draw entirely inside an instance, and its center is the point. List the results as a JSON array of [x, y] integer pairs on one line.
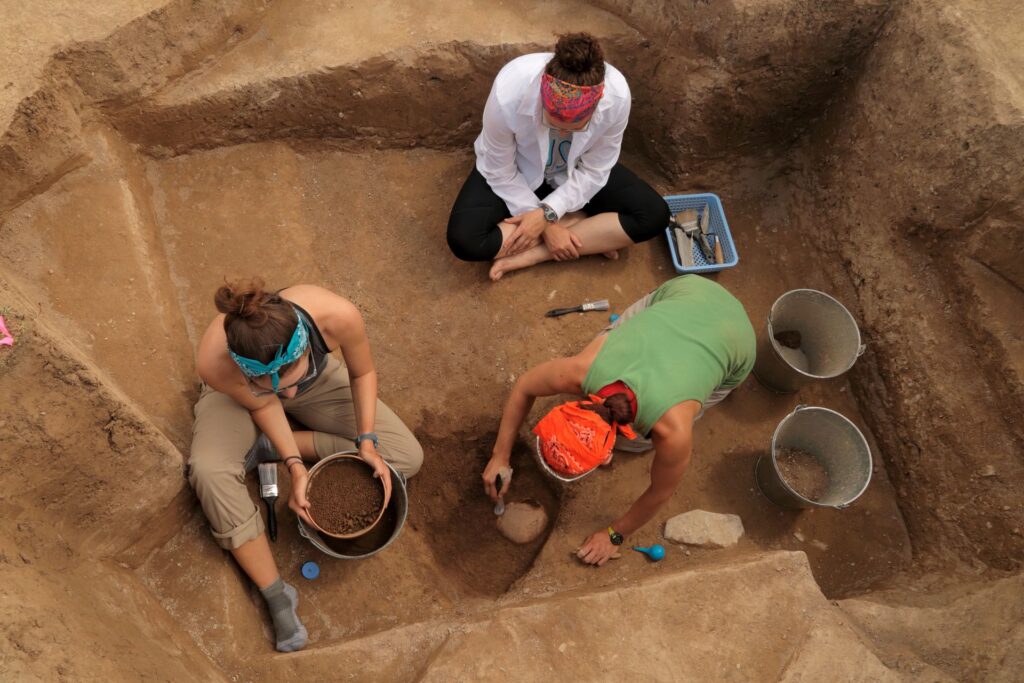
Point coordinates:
[[613, 317], [310, 570]]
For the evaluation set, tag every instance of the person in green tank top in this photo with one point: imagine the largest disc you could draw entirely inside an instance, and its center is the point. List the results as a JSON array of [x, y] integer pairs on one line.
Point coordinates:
[[670, 356]]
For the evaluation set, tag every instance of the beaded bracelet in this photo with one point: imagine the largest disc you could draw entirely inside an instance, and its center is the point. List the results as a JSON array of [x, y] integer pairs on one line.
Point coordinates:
[[287, 461]]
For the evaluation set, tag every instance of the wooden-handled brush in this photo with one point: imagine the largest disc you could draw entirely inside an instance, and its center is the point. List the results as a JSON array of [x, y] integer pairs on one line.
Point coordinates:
[[268, 492]]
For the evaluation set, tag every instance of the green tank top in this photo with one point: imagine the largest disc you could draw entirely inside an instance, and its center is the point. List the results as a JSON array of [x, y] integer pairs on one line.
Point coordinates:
[[693, 338]]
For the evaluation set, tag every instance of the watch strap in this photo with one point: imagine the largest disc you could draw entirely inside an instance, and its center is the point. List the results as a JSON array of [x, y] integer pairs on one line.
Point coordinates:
[[549, 214], [368, 435]]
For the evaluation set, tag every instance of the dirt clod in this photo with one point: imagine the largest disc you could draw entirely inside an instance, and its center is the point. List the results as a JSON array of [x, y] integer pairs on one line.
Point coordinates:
[[345, 497], [789, 338], [803, 472]]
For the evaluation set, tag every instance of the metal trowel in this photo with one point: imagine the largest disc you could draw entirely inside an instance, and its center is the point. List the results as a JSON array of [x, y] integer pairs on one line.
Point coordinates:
[[505, 475]]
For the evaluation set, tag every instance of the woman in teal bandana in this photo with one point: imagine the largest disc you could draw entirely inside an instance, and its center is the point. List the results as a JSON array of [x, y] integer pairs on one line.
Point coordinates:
[[265, 359]]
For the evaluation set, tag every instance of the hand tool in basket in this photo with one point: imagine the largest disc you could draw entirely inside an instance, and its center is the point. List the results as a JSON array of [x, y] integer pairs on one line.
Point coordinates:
[[601, 305], [704, 222], [268, 492], [684, 227]]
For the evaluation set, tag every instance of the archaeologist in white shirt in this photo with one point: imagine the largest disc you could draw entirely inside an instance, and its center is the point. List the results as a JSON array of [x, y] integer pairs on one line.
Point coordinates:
[[547, 183]]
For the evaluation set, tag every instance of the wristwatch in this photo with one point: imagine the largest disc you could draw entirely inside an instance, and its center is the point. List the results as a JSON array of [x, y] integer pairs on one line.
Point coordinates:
[[615, 536], [549, 214], [368, 435]]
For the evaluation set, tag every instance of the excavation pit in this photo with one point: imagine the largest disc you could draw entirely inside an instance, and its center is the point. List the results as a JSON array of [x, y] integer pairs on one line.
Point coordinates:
[[180, 143]]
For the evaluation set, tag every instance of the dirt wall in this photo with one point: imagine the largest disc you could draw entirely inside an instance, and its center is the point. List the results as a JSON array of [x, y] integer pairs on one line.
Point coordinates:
[[43, 140], [914, 175], [713, 81]]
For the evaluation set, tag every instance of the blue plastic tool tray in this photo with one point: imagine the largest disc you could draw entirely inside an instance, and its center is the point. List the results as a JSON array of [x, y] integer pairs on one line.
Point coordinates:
[[719, 227]]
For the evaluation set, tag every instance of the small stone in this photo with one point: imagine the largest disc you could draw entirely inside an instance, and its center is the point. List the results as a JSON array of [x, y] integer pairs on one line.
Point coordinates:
[[705, 529], [522, 522], [799, 536], [561, 648], [988, 471]]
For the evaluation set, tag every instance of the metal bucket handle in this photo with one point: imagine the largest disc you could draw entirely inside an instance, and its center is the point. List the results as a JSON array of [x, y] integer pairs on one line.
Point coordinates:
[[861, 349]]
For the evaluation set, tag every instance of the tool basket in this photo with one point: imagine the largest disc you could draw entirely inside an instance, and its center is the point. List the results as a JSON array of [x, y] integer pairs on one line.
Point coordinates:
[[719, 227]]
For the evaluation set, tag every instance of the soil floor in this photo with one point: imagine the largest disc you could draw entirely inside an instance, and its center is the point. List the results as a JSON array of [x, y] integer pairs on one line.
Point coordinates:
[[271, 145], [448, 344]]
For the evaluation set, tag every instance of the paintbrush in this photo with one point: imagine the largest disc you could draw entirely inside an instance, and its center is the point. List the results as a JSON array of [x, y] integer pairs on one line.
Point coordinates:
[[268, 492], [601, 305]]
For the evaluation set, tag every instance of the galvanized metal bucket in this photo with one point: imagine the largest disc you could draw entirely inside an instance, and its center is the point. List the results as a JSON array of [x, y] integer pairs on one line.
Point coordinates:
[[829, 345], [835, 442], [380, 537], [546, 468]]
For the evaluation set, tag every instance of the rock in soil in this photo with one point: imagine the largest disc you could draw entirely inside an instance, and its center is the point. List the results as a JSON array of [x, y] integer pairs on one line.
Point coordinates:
[[522, 522], [802, 472], [789, 338], [345, 497], [705, 529]]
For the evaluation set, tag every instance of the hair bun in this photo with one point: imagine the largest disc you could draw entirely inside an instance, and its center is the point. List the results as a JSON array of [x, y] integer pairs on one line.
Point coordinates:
[[242, 299], [578, 52]]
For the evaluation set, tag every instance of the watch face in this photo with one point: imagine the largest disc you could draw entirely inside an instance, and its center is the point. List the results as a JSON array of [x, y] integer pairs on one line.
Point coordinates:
[[549, 215], [616, 538]]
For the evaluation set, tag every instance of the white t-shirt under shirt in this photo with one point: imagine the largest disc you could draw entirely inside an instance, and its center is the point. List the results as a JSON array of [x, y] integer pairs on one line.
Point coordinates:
[[556, 171]]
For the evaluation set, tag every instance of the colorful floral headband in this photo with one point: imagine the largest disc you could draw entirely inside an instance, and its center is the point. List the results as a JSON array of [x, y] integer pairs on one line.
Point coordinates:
[[568, 102]]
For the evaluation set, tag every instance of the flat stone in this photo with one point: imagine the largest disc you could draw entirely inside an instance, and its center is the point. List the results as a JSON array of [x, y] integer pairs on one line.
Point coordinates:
[[705, 529]]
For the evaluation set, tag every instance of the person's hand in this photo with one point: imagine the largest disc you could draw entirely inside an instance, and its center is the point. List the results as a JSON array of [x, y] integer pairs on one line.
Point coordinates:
[[563, 243], [496, 466], [380, 468], [598, 548], [529, 227], [297, 500]]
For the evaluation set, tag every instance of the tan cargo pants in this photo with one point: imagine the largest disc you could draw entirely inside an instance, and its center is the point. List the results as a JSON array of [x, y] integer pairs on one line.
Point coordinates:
[[223, 432]]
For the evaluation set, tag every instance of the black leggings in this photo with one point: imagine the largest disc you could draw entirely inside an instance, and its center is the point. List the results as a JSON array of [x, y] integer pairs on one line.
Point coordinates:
[[473, 233]]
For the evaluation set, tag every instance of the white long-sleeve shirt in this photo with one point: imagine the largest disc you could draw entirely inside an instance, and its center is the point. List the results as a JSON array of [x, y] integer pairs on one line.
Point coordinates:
[[512, 147]]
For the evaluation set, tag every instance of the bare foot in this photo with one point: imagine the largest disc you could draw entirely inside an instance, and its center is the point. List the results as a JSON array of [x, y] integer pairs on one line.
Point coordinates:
[[523, 259], [612, 255], [499, 268]]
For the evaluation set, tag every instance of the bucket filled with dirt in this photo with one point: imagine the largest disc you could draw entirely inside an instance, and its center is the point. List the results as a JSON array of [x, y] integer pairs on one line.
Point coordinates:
[[818, 459], [372, 540], [808, 335], [345, 499]]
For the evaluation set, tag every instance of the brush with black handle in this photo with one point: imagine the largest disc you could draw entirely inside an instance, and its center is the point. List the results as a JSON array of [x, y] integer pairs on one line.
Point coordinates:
[[268, 492]]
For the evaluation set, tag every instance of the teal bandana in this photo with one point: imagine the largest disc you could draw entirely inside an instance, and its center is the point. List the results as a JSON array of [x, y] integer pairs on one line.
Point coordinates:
[[284, 356]]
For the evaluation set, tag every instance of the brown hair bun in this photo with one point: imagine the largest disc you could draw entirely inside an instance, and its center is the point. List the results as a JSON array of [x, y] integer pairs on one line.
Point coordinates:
[[616, 409], [578, 59], [256, 322]]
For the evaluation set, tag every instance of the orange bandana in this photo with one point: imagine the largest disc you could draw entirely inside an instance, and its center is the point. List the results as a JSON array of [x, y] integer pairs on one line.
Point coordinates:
[[574, 440]]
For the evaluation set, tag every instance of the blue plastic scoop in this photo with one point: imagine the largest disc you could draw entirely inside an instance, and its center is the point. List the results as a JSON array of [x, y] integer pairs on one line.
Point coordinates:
[[655, 552]]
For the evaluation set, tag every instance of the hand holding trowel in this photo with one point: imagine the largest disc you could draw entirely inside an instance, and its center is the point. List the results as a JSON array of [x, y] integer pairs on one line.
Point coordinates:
[[503, 480]]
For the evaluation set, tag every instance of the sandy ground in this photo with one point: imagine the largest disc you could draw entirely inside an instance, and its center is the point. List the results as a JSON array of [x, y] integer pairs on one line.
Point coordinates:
[[203, 141]]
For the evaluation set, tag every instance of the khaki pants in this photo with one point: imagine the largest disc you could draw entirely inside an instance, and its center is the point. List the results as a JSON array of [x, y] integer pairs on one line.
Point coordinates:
[[223, 432], [641, 444]]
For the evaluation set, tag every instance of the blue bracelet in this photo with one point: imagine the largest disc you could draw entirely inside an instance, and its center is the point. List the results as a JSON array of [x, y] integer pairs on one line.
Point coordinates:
[[368, 435]]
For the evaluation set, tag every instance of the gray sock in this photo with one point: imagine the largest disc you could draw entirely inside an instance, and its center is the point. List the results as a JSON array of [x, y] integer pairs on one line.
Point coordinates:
[[262, 451], [281, 601]]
